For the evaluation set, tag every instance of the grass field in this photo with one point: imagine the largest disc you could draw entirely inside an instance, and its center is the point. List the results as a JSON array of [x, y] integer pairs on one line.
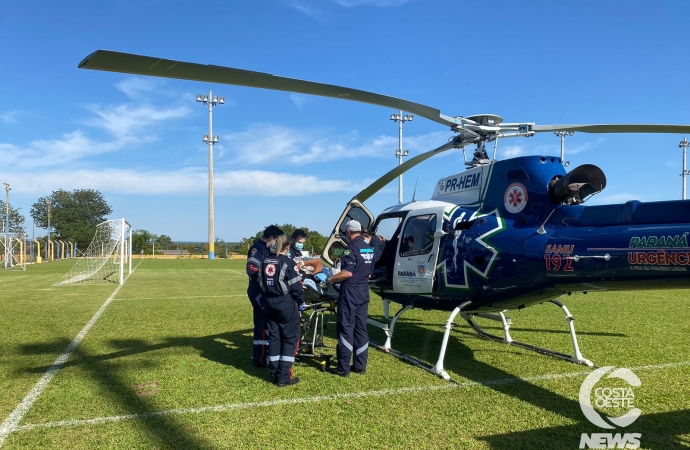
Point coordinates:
[[167, 365]]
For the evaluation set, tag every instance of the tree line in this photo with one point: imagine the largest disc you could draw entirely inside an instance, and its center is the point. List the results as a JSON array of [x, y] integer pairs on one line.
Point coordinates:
[[75, 214]]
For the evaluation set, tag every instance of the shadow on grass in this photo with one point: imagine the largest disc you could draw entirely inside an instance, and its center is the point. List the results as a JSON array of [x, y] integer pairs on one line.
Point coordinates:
[[230, 349], [660, 431], [424, 344]]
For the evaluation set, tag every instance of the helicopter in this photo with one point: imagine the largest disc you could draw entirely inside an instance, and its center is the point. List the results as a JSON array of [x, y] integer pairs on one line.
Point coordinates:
[[498, 236]]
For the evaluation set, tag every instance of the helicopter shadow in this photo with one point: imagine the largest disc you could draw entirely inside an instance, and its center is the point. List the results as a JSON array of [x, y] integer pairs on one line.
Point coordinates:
[[424, 344]]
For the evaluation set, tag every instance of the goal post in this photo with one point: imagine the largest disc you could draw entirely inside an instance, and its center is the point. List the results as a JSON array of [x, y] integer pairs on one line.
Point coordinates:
[[108, 257]]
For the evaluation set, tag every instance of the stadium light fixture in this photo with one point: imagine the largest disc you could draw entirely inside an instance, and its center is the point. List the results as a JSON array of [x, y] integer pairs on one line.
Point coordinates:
[[210, 101], [684, 145], [400, 153]]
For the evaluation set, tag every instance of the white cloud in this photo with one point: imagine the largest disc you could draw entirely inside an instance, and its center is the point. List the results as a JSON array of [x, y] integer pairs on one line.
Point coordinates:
[[308, 8], [315, 8], [129, 126], [9, 116], [49, 152], [511, 151], [574, 149], [133, 87], [126, 122], [268, 144], [299, 100], [379, 3], [191, 180]]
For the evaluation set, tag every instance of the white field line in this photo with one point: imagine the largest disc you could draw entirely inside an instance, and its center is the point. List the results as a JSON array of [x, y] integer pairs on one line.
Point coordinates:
[[16, 416], [180, 298], [325, 398], [237, 272]]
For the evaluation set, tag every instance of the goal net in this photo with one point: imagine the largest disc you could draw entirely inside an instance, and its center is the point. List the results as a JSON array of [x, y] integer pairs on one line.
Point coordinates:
[[13, 251], [108, 257]]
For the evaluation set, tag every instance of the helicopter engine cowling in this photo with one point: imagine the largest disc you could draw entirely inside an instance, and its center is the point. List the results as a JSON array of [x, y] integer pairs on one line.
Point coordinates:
[[577, 185]]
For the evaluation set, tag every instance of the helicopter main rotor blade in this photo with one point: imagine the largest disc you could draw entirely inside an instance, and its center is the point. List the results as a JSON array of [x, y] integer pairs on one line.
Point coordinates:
[[377, 185], [619, 128], [145, 65]]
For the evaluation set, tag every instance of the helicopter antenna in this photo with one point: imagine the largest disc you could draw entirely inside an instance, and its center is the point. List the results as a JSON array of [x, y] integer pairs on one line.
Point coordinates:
[[541, 229], [414, 193]]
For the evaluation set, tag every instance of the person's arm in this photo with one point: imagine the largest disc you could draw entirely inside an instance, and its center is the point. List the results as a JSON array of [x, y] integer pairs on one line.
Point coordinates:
[[339, 277], [348, 264], [294, 282]]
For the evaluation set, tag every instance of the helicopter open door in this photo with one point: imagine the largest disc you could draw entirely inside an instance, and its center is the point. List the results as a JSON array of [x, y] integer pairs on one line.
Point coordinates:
[[417, 253], [337, 241]]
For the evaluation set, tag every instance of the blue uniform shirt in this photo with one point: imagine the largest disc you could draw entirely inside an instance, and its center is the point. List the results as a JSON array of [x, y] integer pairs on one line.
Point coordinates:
[[278, 277], [358, 259], [257, 253]]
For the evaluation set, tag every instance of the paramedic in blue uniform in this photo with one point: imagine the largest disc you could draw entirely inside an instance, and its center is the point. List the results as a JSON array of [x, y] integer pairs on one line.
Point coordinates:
[[282, 293], [353, 303], [255, 256]]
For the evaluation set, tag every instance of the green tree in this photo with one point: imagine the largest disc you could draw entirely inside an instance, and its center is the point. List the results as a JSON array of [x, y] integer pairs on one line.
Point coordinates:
[[73, 215], [165, 243], [141, 240], [16, 219]]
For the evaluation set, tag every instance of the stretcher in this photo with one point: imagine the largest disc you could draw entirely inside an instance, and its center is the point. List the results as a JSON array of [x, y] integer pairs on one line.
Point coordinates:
[[316, 316]]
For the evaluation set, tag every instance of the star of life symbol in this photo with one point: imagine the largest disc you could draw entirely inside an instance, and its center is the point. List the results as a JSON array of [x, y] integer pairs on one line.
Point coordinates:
[[270, 270], [606, 397], [515, 198]]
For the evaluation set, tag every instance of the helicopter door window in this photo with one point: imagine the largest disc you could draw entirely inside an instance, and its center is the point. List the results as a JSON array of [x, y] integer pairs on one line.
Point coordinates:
[[357, 214], [418, 235]]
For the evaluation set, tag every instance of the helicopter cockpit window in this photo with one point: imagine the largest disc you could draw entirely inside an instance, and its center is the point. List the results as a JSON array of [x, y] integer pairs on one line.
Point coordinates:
[[335, 252], [354, 214], [418, 236]]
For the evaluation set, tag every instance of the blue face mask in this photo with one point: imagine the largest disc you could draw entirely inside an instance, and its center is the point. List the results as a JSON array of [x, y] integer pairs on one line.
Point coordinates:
[[299, 245]]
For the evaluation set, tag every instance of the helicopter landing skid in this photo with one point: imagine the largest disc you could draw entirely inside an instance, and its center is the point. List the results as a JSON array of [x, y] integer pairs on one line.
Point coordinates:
[[437, 369], [576, 357]]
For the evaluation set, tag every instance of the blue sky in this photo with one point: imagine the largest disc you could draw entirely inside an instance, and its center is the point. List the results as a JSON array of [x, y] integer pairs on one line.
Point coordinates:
[[294, 158]]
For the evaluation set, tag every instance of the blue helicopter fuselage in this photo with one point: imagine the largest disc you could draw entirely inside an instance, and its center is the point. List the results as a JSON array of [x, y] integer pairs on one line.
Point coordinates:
[[502, 241]]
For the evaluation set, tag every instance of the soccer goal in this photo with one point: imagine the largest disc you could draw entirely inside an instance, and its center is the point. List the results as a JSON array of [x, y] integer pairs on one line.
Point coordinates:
[[108, 257], [13, 250]]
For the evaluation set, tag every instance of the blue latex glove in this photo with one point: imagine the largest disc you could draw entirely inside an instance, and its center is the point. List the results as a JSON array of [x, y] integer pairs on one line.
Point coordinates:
[[303, 306], [321, 277]]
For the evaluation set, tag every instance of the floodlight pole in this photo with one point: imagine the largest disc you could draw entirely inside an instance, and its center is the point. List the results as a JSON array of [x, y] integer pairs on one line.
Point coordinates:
[[210, 139], [6, 256], [562, 135], [684, 145], [49, 236], [400, 152]]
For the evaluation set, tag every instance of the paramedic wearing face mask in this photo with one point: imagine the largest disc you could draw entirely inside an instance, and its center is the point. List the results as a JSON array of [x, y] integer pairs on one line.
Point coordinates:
[[297, 245]]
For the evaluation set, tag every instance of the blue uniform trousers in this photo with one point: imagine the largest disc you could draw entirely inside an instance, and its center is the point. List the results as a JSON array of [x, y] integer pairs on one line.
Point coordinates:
[[282, 316], [353, 338], [259, 352]]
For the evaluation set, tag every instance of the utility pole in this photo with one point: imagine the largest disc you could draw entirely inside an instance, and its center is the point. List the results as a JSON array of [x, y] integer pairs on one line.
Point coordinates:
[[684, 145], [210, 139], [400, 152], [48, 245], [8, 242], [562, 135]]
